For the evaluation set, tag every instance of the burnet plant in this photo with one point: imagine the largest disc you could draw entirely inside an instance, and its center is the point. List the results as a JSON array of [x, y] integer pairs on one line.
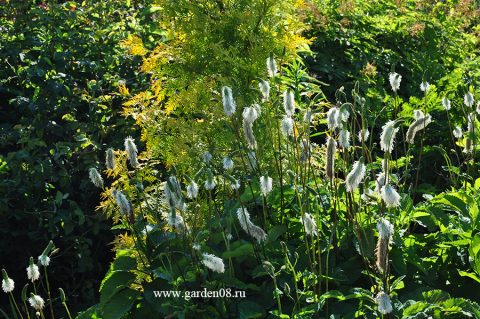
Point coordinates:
[[241, 217], [37, 294]]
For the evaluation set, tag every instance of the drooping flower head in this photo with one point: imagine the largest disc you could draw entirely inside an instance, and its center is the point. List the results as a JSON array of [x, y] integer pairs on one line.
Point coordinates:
[[424, 86], [356, 175], [95, 177], [229, 105], [387, 138], [395, 80], [457, 132], [265, 185], [192, 190], [417, 126], [44, 260], [248, 226], [234, 185], [289, 102], [249, 116], [265, 89], [333, 116], [287, 126], [384, 303], [390, 196], [384, 228], [227, 163], [109, 159], [271, 66], [207, 157], [344, 138], [363, 135], [309, 224], [213, 263], [468, 99], [132, 151], [210, 183], [123, 203], [447, 105]]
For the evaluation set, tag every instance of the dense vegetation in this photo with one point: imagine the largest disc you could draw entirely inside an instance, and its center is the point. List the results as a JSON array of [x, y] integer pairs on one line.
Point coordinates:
[[321, 156]]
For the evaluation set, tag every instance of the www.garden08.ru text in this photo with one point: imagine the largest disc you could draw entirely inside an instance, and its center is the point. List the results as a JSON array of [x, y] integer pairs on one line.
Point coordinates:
[[187, 295]]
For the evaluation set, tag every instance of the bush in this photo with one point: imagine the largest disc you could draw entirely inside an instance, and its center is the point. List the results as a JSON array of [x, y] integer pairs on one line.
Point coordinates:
[[60, 65]]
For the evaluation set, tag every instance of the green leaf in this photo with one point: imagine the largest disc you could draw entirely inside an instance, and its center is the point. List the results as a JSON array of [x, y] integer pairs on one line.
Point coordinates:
[[275, 232], [120, 304], [469, 275], [113, 283], [248, 310], [244, 250]]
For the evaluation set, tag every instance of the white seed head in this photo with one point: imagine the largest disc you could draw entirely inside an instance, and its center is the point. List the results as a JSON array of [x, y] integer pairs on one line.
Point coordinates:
[[468, 99], [249, 227], [132, 151], [229, 105], [289, 102], [265, 89], [424, 86], [390, 196], [355, 177], [271, 67], [363, 135], [95, 177], [213, 263], [309, 224], [36, 302], [447, 105], [227, 163], [387, 138], [287, 126], [457, 132], [333, 118], [344, 138], [395, 80], [192, 190], [478, 107], [265, 185], [384, 303], [110, 159]]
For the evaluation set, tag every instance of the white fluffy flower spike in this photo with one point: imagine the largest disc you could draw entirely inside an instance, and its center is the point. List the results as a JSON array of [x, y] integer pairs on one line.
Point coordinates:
[[7, 283], [213, 263], [32, 271], [265, 185], [355, 177]]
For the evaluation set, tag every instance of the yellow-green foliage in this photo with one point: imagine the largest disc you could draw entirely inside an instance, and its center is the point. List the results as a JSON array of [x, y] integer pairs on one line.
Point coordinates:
[[207, 44]]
